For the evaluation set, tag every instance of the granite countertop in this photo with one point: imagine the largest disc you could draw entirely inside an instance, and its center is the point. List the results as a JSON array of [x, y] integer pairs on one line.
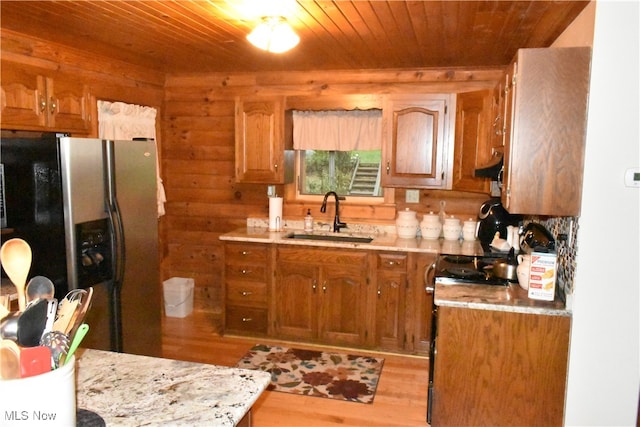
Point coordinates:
[[510, 298], [139, 390], [382, 241]]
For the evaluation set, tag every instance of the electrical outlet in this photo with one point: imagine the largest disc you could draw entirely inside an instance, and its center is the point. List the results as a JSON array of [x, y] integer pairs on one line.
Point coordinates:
[[271, 190], [413, 196]]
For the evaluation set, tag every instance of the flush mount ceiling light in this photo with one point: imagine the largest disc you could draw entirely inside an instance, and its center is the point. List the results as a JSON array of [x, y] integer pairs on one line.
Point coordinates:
[[273, 35]]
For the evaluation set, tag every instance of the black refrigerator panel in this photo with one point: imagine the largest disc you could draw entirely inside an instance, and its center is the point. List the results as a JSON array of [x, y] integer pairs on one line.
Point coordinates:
[[33, 202]]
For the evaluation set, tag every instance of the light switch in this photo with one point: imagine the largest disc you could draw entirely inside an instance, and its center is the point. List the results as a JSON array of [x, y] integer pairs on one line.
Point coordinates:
[[413, 196]]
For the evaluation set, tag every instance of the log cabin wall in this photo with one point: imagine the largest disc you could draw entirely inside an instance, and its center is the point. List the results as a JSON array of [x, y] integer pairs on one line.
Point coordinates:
[[196, 138], [203, 199]]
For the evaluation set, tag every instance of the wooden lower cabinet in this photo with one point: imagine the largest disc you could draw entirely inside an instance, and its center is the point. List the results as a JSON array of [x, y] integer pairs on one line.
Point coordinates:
[[350, 297], [247, 272], [320, 295], [499, 368]]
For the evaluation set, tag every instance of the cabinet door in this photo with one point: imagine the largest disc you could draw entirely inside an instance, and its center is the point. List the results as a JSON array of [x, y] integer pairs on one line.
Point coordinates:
[[416, 146], [24, 97], [499, 368], [260, 141], [420, 303], [296, 293], [472, 141], [544, 155], [343, 305], [390, 298], [68, 104]]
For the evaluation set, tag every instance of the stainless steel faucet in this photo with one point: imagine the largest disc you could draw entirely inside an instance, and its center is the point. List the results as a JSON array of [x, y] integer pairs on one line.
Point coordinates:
[[337, 225]]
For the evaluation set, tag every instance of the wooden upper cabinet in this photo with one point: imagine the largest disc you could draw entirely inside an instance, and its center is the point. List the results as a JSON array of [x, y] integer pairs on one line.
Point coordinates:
[[416, 141], [260, 142], [473, 142], [546, 108], [34, 100]]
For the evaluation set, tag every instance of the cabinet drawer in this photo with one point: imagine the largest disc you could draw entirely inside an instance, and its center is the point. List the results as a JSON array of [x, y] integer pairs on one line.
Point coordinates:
[[246, 319], [256, 273], [397, 262], [322, 257], [247, 293], [246, 253]]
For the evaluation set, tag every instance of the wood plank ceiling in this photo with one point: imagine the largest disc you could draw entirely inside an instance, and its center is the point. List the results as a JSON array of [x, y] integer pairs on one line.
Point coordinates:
[[185, 36]]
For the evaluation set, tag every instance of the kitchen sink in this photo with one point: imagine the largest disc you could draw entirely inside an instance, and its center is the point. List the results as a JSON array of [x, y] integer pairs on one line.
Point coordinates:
[[330, 237]]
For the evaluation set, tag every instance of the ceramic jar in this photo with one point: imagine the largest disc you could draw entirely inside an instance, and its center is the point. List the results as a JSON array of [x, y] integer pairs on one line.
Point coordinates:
[[524, 265], [407, 224], [469, 229], [451, 228], [430, 227]]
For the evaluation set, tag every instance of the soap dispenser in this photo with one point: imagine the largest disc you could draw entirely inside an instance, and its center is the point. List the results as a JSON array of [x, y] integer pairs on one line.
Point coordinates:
[[308, 222]]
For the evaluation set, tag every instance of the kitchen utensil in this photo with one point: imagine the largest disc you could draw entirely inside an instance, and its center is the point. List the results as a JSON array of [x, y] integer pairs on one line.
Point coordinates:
[[536, 237], [34, 361], [9, 360], [40, 287], [81, 311], [494, 218], [506, 268], [32, 322], [66, 311], [16, 257], [9, 326], [75, 342], [58, 344]]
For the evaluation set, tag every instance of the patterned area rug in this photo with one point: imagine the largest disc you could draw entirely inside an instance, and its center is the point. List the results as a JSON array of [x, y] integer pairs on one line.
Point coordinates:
[[316, 373]]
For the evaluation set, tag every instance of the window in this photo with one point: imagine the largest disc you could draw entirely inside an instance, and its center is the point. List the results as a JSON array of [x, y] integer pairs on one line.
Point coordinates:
[[338, 151], [353, 173]]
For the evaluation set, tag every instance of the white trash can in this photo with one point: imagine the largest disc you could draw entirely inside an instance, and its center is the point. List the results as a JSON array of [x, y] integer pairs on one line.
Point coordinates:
[[178, 296]]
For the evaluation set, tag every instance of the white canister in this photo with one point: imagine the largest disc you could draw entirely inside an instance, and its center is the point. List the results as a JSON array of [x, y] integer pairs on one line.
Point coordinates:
[[523, 270], [430, 227], [469, 229], [407, 224], [47, 399], [451, 228]]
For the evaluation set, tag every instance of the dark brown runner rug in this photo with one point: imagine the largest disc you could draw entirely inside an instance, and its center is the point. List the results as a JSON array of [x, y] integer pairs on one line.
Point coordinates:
[[316, 373]]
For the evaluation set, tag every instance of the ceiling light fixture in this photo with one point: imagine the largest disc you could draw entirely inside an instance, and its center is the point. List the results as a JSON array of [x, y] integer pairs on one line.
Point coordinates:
[[273, 35]]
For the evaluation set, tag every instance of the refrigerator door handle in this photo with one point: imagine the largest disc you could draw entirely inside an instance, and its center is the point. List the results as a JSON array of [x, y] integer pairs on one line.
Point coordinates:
[[117, 243]]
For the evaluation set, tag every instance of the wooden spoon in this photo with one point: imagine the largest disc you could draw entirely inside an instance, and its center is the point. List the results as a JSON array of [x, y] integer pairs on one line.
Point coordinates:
[[15, 256]]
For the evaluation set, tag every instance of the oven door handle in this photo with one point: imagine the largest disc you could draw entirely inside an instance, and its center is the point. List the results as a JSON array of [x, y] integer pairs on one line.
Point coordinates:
[[429, 279]]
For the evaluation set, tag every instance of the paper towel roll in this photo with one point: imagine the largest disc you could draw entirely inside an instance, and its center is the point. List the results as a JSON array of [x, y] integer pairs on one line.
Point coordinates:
[[275, 213]]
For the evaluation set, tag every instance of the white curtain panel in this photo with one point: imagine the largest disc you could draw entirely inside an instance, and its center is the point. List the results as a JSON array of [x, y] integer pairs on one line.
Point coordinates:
[[117, 120], [337, 130]]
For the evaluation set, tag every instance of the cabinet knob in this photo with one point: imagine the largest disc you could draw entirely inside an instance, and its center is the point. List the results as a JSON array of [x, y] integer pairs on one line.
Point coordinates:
[[246, 271], [388, 167], [246, 293], [247, 319], [43, 104], [324, 287], [245, 253], [276, 167], [52, 105], [379, 292], [314, 285]]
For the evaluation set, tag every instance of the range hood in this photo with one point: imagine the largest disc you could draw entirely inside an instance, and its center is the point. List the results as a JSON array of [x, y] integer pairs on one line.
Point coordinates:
[[491, 169]]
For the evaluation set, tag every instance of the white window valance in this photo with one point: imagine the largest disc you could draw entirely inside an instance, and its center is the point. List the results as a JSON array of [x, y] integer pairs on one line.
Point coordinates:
[[337, 130], [117, 120]]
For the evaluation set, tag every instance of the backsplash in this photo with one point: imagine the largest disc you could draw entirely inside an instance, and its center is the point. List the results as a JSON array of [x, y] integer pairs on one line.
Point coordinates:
[[565, 232]]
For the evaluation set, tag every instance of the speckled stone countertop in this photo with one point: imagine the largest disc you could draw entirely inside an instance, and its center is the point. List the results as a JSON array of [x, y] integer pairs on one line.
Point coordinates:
[[127, 389], [381, 241], [510, 298]]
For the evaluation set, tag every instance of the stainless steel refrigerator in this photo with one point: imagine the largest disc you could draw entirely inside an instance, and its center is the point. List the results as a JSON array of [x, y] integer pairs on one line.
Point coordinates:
[[87, 208]]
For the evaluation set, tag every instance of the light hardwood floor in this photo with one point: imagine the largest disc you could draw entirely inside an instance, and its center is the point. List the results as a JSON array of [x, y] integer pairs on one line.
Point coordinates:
[[400, 400]]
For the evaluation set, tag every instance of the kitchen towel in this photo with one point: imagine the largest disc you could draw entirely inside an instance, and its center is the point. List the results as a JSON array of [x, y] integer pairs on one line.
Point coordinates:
[[275, 213]]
